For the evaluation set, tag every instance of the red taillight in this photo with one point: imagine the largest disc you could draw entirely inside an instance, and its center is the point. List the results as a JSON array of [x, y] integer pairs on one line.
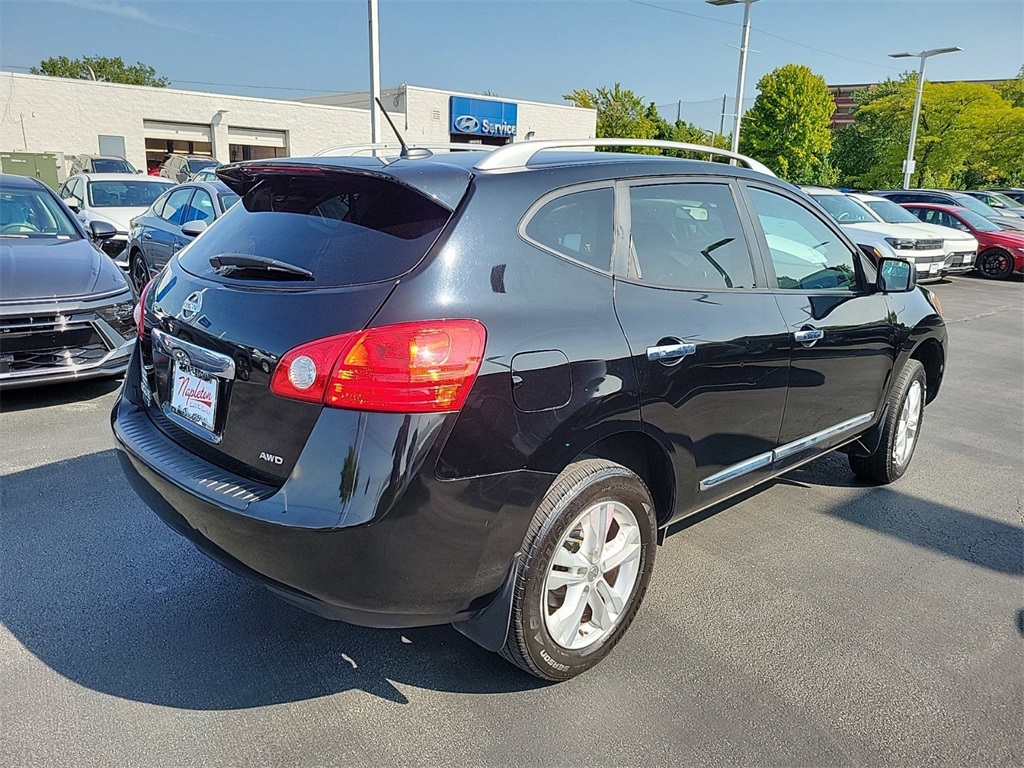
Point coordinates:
[[139, 313], [417, 367]]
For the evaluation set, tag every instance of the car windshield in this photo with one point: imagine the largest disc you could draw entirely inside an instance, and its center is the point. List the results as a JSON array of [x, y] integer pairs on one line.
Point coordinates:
[[197, 164], [112, 166], [227, 199], [844, 209], [980, 223], [33, 213], [974, 204], [889, 212], [130, 193]]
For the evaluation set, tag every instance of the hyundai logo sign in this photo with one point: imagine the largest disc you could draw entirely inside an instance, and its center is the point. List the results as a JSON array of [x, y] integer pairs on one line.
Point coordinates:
[[483, 117], [466, 124]]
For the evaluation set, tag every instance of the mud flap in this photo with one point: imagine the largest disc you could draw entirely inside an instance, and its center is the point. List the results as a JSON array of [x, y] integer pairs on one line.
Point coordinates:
[[489, 627]]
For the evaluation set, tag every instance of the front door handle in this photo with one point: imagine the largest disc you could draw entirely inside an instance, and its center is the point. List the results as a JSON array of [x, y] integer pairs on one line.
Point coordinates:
[[147, 235], [809, 335], [670, 351]]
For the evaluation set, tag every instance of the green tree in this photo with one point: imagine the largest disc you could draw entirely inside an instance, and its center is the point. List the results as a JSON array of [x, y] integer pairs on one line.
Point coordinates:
[[787, 129], [968, 135], [683, 132], [1013, 90], [620, 113], [111, 70]]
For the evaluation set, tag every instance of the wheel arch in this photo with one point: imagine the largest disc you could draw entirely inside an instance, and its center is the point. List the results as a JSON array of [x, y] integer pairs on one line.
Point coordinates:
[[643, 455], [930, 354]]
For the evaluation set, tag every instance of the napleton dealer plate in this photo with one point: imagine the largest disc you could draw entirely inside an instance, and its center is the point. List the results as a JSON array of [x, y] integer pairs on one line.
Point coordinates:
[[194, 395]]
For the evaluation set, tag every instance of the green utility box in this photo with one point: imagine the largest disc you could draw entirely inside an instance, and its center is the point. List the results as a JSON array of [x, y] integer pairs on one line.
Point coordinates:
[[39, 165]]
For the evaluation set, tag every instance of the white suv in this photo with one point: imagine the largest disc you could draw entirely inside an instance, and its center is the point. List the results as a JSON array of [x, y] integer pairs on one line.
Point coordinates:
[[910, 242], [961, 247]]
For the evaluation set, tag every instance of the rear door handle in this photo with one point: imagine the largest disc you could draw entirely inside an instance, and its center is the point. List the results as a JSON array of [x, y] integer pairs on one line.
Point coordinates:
[[809, 335], [670, 351]]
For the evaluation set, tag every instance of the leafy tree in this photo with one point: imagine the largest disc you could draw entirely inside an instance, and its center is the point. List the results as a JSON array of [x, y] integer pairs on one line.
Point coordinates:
[[787, 129], [968, 135], [1013, 90], [620, 114], [684, 132], [111, 70]]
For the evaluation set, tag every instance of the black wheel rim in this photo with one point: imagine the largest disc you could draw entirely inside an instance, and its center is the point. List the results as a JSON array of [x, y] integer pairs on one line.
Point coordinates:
[[994, 263], [139, 274]]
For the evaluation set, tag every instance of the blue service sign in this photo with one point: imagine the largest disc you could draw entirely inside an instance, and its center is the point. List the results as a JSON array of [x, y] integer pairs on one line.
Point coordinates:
[[482, 117]]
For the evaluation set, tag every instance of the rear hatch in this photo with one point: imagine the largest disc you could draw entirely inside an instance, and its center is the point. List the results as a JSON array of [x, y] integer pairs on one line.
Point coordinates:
[[310, 251]]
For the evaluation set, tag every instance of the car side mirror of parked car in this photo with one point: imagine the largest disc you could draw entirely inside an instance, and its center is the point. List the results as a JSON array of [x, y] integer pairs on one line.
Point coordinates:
[[101, 230], [193, 228], [73, 203], [895, 276]]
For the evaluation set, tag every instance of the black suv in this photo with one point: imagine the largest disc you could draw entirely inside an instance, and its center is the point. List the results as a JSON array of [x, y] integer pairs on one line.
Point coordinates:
[[478, 387]]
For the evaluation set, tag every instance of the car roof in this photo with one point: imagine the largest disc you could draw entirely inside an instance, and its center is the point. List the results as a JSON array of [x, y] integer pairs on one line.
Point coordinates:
[[122, 177], [869, 197], [216, 187], [938, 206], [13, 181], [103, 157], [810, 190], [445, 175]]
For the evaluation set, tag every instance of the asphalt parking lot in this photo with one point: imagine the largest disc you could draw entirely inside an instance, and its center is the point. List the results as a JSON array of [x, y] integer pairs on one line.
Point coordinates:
[[817, 622]]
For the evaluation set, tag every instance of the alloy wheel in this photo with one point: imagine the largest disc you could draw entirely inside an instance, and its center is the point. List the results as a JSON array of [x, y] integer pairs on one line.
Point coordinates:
[[593, 574], [906, 427]]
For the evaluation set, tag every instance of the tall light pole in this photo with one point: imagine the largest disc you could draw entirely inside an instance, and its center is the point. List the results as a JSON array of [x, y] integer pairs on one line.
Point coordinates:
[[374, 73], [908, 164], [742, 77]]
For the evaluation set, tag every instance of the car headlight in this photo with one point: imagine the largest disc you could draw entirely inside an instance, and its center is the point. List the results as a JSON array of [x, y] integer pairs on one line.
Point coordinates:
[[900, 243], [119, 317]]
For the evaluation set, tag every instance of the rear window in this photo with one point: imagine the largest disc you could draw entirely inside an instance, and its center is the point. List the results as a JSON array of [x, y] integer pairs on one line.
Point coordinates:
[[345, 229]]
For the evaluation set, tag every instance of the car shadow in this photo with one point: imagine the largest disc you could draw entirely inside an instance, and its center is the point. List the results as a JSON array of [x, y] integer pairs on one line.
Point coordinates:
[[953, 532], [61, 393], [103, 593]]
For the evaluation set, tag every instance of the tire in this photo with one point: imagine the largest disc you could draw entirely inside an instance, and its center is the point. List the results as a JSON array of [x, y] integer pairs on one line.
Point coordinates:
[[892, 458], [138, 272], [610, 596], [994, 264]]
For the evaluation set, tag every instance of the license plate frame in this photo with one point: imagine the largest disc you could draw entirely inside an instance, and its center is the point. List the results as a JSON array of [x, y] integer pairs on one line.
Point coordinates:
[[194, 396]]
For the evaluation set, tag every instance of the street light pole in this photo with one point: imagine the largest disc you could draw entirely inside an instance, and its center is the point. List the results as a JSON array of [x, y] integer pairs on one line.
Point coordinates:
[[374, 73], [908, 164], [742, 75]]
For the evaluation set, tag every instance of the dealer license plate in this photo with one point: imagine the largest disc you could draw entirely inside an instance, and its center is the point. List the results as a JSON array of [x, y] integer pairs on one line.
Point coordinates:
[[194, 395]]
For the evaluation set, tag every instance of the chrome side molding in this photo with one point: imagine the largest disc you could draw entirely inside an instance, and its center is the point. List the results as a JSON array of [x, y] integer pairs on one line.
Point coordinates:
[[783, 451]]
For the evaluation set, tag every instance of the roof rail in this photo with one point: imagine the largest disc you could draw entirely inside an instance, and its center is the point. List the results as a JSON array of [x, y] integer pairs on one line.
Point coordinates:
[[518, 154], [348, 150]]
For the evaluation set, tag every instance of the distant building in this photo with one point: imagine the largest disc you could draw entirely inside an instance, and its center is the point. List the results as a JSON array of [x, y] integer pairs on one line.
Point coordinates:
[[846, 104]]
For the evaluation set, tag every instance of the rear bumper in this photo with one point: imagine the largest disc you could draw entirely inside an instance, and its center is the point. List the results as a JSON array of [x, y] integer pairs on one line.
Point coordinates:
[[419, 553]]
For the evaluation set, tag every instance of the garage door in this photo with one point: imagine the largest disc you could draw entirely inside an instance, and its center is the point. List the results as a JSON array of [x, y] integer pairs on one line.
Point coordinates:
[[176, 131], [256, 137]]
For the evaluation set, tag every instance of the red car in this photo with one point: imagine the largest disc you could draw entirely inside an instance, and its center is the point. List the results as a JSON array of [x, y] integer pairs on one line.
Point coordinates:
[[1000, 251]]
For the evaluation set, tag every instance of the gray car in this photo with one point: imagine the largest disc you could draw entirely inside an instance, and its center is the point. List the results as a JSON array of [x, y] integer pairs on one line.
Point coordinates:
[[1008, 220], [998, 201], [170, 223], [181, 168]]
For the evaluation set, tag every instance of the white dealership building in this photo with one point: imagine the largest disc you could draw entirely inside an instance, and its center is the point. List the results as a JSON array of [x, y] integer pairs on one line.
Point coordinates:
[[63, 117]]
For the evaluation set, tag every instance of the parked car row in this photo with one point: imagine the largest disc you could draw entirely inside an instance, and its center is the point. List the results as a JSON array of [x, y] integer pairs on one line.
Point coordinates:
[[942, 232]]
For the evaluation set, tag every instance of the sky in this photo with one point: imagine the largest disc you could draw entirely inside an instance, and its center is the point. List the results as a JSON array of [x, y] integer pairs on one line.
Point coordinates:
[[667, 51]]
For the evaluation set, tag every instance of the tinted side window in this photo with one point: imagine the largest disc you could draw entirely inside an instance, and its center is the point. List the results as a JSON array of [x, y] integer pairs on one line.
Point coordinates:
[[201, 207], [805, 252], [688, 236], [176, 206], [158, 205], [578, 225]]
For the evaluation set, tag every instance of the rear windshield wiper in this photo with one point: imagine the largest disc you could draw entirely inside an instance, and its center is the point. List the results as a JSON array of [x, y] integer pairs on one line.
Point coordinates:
[[227, 263]]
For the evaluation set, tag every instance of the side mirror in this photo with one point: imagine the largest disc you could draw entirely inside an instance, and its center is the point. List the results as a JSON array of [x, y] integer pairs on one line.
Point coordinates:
[[101, 230], [193, 228], [895, 275], [73, 203]]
